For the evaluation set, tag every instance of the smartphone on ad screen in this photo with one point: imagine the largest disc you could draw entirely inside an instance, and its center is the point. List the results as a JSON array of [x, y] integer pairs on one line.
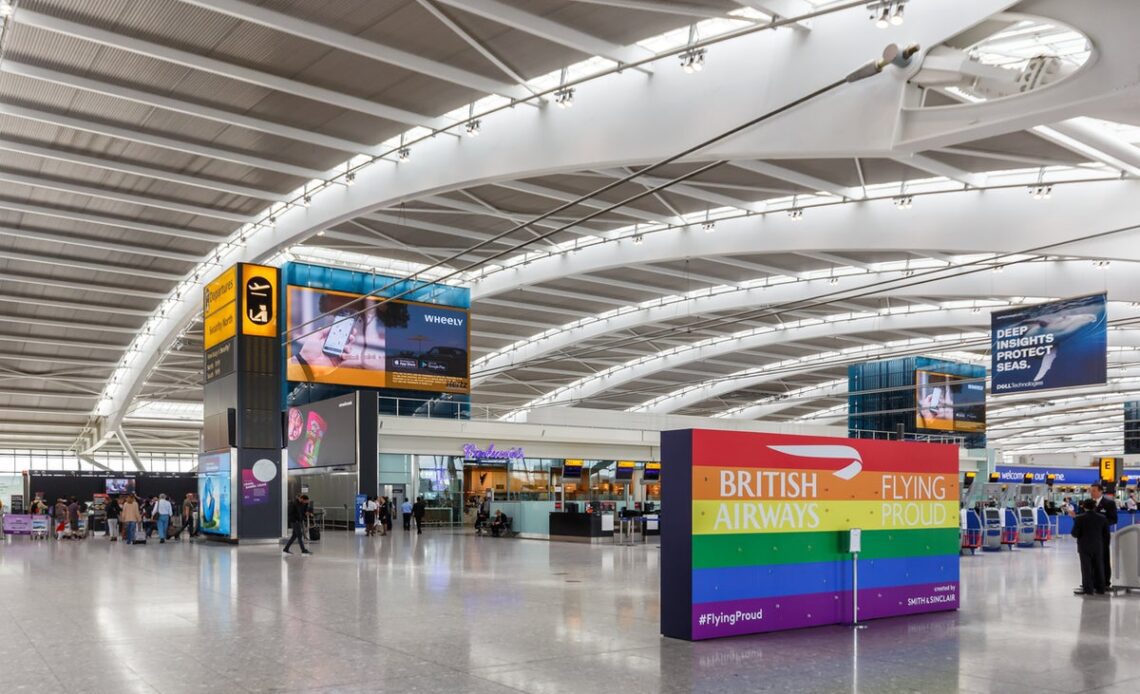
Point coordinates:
[[339, 333]]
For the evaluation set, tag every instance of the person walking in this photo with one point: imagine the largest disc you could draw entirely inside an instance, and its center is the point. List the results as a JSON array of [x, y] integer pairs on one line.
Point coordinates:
[[370, 507], [298, 514], [162, 512], [189, 517], [1091, 530], [406, 511], [73, 516], [130, 516], [112, 510], [418, 510]]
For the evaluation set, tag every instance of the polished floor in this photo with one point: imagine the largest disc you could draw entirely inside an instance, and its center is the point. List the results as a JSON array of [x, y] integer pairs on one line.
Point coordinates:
[[446, 612]]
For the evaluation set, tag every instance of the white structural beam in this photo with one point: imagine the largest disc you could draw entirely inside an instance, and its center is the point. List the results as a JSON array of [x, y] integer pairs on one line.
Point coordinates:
[[562, 196], [119, 196], [112, 246], [196, 61], [781, 9], [662, 7], [344, 41], [120, 223], [784, 334], [535, 25], [933, 166], [964, 223], [187, 107], [924, 128], [694, 191], [47, 152], [130, 449], [1093, 143], [814, 183], [857, 120], [162, 141]]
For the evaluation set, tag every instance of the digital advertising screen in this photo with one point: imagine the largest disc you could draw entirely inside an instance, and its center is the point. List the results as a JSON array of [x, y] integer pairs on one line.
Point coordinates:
[[322, 434], [339, 338], [946, 402], [1060, 344], [119, 486], [215, 494]]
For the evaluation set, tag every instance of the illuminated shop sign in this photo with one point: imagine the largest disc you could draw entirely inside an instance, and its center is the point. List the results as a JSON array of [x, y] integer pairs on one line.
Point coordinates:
[[472, 451]]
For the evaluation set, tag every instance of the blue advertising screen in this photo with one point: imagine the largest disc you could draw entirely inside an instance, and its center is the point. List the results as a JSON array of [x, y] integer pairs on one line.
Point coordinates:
[[214, 494], [1060, 344]]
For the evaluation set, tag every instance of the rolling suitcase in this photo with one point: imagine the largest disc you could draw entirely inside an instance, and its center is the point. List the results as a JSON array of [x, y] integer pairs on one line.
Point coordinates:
[[314, 533]]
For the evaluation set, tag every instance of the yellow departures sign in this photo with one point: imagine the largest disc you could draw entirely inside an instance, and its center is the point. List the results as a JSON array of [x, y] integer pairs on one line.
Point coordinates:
[[219, 308]]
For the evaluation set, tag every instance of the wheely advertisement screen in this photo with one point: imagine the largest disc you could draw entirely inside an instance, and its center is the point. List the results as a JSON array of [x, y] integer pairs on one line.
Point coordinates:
[[339, 338], [322, 434], [946, 402]]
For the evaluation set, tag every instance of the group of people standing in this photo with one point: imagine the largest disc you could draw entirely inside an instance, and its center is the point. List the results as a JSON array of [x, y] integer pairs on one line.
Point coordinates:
[[378, 511], [126, 517]]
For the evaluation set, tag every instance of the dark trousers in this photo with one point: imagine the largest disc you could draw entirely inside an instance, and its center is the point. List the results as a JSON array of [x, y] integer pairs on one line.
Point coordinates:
[[407, 521], [298, 536], [419, 524], [1092, 571]]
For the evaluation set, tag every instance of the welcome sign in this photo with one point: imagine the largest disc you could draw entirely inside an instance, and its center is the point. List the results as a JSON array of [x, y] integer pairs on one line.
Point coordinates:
[[757, 525]]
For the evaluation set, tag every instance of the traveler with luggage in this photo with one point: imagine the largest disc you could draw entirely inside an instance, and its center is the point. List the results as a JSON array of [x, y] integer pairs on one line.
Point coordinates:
[[162, 512], [130, 515], [298, 513]]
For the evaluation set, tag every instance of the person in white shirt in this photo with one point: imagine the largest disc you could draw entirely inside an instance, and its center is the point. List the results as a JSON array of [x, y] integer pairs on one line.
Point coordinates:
[[1130, 504], [370, 507], [162, 512]]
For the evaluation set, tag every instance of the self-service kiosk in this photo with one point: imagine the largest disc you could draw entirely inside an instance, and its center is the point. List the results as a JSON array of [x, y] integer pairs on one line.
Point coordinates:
[[1026, 526], [992, 529]]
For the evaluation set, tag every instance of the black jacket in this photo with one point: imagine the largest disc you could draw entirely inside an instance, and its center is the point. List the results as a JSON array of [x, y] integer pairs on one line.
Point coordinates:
[[418, 509], [1091, 531], [1107, 509], [298, 511]]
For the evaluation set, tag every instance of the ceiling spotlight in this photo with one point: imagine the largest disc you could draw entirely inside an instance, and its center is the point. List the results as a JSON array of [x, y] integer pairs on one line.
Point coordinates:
[[833, 280], [709, 227], [1041, 191], [903, 202], [404, 154], [998, 268], [693, 60], [564, 98], [886, 13], [796, 213], [350, 177], [637, 240], [1102, 264], [272, 220], [473, 127], [306, 201]]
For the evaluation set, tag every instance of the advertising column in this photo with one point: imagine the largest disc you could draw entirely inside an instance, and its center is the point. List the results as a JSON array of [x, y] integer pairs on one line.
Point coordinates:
[[756, 539], [242, 399]]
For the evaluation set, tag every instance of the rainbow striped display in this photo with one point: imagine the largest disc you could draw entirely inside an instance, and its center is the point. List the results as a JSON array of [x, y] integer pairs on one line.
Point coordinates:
[[755, 531]]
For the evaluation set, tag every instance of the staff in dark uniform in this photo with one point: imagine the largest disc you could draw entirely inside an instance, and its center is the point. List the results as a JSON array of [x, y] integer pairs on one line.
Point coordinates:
[[1091, 530], [1106, 507]]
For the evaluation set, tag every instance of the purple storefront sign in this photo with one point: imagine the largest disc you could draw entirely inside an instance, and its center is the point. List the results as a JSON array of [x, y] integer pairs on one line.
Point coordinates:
[[23, 523]]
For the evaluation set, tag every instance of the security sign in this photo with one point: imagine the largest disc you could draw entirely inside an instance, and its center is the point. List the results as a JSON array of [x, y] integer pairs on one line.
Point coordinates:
[[259, 298]]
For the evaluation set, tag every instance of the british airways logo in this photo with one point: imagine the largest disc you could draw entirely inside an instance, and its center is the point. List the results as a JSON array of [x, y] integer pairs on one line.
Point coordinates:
[[844, 453]]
